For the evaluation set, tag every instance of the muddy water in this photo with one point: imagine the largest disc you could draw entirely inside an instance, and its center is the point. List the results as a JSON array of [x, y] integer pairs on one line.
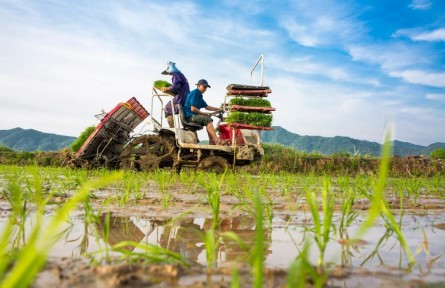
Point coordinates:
[[379, 250], [377, 259]]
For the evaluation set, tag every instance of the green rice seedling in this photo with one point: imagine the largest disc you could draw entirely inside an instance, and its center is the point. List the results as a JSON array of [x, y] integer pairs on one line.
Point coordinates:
[[18, 199], [321, 229], [257, 257], [105, 227], [412, 187], [213, 195], [150, 254], [256, 253], [235, 280], [34, 185], [301, 270], [250, 192], [166, 198], [379, 205], [124, 196], [256, 102], [211, 244], [251, 118], [31, 257], [348, 216], [82, 138], [163, 180], [131, 186], [159, 84], [375, 252]]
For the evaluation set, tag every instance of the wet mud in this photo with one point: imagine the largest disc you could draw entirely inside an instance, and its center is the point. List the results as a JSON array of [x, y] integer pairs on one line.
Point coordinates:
[[179, 222]]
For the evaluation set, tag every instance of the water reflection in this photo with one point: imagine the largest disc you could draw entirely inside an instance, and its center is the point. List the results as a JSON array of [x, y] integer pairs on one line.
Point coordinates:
[[120, 229], [379, 248], [184, 236]]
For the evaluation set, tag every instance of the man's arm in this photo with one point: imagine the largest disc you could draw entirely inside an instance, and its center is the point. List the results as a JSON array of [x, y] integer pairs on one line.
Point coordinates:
[[211, 108], [197, 111], [176, 86]]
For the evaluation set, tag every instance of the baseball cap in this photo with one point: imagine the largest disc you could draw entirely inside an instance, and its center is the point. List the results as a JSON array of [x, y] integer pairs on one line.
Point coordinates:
[[203, 82]]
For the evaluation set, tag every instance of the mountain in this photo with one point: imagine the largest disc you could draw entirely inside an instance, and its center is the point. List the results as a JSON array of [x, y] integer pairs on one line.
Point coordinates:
[[330, 145], [31, 140]]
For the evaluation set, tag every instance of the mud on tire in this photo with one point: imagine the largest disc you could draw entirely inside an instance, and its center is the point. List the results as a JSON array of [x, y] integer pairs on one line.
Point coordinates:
[[213, 164]]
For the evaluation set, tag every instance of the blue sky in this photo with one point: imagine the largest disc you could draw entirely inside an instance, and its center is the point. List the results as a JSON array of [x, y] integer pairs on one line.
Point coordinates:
[[335, 67]]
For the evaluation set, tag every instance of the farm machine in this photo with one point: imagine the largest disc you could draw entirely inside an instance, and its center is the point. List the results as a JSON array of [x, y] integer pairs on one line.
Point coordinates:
[[112, 144]]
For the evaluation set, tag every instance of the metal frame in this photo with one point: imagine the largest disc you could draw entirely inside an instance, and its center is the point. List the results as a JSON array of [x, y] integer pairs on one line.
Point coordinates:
[[178, 126], [262, 70]]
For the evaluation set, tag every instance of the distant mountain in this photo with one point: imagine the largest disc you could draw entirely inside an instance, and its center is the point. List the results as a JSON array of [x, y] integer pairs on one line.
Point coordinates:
[[330, 145], [31, 140]]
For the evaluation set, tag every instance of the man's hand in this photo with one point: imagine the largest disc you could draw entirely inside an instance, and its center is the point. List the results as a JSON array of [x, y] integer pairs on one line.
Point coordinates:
[[164, 89]]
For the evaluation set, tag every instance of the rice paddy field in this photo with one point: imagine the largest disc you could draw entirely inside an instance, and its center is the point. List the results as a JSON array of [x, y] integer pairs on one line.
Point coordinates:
[[62, 227]]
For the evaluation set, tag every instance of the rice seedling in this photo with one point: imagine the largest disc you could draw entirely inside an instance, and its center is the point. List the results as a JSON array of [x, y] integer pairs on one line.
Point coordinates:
[[235, 281], [30, 258], [251, 118], [321, 229], [431, 260], [255, 253], [18, 199], [257, 257], [159, 84], [256, 102], [379, 205], [348, 216], [301, 270], [150, 254], [412, 187], [131, 186], [163, 180], [211, 244], [82, 138], [213, 196]]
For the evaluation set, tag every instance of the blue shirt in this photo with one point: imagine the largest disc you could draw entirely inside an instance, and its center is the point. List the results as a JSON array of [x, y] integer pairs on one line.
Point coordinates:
[[193, 99], [180, 87]]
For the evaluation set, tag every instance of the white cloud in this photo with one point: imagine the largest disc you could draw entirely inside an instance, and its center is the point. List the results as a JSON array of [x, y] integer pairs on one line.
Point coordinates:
[[431, 36], [417, 34], [56, 74], [421, 77], [435, 96], [309, 65], [400, 61], [319, 23], [389, 56], [420, 4]]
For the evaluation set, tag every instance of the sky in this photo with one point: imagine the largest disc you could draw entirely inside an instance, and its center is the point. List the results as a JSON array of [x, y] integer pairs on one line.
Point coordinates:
[[336, 68]]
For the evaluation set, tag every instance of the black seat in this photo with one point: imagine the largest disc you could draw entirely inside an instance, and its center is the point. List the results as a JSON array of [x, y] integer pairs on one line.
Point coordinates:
[[190, 126]]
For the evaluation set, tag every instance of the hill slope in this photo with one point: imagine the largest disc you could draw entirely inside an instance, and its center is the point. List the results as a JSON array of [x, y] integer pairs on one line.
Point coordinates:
[[31, 140], [330, 145]]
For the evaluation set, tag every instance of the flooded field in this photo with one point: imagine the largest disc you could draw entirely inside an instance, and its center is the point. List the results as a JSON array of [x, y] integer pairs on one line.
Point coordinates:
[[206, 230]]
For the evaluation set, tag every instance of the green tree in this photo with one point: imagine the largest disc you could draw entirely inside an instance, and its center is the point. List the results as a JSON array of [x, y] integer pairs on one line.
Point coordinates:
[[438, 154]]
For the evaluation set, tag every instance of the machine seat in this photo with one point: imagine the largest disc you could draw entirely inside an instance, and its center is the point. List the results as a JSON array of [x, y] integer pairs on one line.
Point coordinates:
[[190, 126]]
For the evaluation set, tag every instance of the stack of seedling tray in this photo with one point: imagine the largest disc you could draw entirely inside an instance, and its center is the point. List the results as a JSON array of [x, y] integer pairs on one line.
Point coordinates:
[[248, 109]]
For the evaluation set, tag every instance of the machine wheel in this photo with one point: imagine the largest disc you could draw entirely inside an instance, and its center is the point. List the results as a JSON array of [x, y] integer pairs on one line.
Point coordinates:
[[147, 152], [214, 164]]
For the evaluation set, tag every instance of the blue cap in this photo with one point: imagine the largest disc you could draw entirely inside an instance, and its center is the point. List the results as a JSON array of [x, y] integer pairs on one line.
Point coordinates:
[[203, 82]]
